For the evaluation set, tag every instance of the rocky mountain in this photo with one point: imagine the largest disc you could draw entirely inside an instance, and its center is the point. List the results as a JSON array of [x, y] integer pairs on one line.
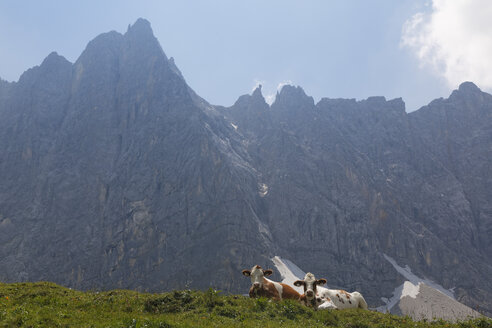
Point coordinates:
[[349, 181], [116, 174]]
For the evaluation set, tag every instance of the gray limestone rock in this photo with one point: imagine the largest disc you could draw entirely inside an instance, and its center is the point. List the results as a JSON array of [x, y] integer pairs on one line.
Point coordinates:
[[116, 174]]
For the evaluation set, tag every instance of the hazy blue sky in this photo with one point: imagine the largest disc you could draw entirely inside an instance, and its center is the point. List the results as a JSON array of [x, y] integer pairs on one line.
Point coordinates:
[[347, 49]]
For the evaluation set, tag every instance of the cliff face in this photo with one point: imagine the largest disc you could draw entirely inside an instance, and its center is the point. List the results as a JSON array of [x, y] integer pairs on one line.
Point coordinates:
[[350, 181], [116, 174]]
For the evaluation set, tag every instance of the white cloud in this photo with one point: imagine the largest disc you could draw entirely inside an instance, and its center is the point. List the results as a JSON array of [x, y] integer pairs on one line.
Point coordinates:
[[454, 39], [270, 98]]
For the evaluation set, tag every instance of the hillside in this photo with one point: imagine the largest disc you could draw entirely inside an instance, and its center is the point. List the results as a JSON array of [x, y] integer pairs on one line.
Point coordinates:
[[48, 305], [117, 175]]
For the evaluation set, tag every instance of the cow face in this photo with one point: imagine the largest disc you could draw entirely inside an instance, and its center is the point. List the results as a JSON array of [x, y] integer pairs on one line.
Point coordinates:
[[309, 283], [257, 274]]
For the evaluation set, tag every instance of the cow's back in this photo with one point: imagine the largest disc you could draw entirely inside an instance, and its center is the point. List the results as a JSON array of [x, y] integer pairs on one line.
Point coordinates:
[[340, 298], [289, 292]]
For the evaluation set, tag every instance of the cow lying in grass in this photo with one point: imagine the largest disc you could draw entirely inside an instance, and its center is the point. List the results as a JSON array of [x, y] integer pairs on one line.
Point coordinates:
[[324, 298], [263, 287]]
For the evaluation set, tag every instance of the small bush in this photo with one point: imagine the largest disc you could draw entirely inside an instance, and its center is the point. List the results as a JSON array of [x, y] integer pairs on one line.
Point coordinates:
[[228, 312], [477, 323], [211, 299], [291, 309], [174, 302], [260, 304]]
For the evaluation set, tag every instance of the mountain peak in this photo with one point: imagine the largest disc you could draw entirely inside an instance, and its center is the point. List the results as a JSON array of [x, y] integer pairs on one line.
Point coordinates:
[[140, 39], [255, 97], [51, 66], [54, 58], [468, 87], [141, 26], [290, 94], [291, 89], [257, 93], [465, 90]]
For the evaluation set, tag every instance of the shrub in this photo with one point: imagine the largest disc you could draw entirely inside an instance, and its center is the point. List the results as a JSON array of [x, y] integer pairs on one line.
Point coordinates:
[[477, 323], [228, 312], [291, 309], [211, 299], [174, 302], [260, 304]]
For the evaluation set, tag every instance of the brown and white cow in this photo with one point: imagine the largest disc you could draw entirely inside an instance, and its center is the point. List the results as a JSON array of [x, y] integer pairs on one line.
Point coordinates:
[[323, 298], [310, 297], [263, 287]]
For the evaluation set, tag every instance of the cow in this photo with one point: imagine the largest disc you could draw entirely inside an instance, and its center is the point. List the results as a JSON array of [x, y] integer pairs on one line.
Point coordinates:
[[324, 298], [310, 297], [263, 287]]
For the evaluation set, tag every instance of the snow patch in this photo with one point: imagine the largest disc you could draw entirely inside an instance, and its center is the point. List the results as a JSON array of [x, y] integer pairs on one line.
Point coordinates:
[[410, 289], [405, 289], [410, 276], [289, 272], [263, 189]]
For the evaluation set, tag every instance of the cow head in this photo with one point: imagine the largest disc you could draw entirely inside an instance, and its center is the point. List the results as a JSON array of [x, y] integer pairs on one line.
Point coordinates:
[[309, 283], [257, 274]]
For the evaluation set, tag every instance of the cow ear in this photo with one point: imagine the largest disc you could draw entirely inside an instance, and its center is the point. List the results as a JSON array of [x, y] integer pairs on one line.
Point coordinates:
[[321, 281], [298, 283], [246, 273], [267, 272]]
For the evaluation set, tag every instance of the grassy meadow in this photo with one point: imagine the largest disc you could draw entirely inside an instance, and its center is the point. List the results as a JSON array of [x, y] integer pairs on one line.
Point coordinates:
[[46, 304]]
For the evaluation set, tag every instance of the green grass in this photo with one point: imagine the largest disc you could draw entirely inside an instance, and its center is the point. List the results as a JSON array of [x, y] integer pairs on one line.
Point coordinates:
[[46, 304]]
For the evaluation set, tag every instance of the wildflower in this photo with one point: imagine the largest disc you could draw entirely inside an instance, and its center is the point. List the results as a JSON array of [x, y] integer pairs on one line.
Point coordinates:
[[6, 297]]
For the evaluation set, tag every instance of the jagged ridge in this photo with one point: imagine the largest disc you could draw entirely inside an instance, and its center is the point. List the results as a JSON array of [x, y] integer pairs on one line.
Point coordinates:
[[116, 174]]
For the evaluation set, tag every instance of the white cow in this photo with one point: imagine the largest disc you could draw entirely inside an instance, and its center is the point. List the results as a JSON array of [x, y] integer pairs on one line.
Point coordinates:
[[324, 298]]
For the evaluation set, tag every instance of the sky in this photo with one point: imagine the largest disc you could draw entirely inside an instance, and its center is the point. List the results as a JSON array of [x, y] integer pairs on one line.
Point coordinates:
[[418, 50]]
